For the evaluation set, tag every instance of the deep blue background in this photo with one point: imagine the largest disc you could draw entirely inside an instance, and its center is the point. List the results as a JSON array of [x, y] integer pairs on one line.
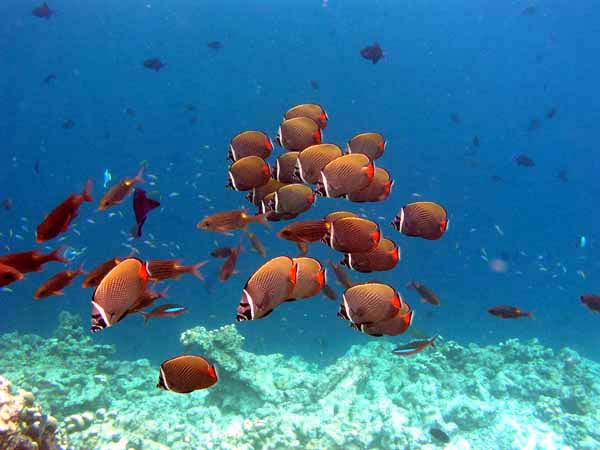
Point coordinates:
[[494, 67]]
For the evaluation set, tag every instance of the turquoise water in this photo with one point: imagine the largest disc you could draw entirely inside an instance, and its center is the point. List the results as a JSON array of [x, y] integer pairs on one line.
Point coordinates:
[[450, 73]]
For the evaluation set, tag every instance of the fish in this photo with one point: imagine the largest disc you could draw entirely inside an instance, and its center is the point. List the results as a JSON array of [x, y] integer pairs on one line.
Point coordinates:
[[427, 295], [107, 178], [552, 112], [42, 11], [332, 217], [153, 64], [58, 221], [249, 143], [95, 276], [32, 261], [312, 160], [562, 175], [302, 249], [147, 299], [269, 285], [414, 346], [378, 190], [314, 84], [56, 284], [9, 275], [186, 373], [256, 244], [439, 435], [383, 257], [534, 125], [476, 141], [142, 205], [256, 195], [118, 292], [130, 112], [171, 269], [298, 133], [372, 52], [529, 11], [293, 199], [508, 312], [370, 144], [368, 303], [353, 235], [166, 310], [304, 231], [120, 191], [68, 124], [228, 267], [225, 221], [524, 160], [311, 110], [344, 175], [591, 301], [329, 292], [341, 276], [49, 78], [394, 326], [427, 220], [248, 173], [215, 45], [284, 169], [7, 204], [310, 279], [221, 252]]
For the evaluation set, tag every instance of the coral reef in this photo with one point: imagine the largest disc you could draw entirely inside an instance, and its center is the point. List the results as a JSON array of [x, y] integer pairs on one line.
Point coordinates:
[[516, 394]]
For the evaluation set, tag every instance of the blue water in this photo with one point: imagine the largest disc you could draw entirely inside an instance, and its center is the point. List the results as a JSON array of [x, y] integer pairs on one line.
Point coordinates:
[[484, 61]]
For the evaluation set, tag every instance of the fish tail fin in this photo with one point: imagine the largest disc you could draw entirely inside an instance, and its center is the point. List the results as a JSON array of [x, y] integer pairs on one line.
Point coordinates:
[[87, 191], [195, 270], [57, 256], [138, 178]]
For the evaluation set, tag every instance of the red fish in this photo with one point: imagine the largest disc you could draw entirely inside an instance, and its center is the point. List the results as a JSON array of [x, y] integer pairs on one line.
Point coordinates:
[[119, 191], [9, 275], [509, 312], [372, 52], [591, 301], [31, 261], [56, 284], [142, 205], [60, 218], [164, 269], [228, 267], [42, 11]]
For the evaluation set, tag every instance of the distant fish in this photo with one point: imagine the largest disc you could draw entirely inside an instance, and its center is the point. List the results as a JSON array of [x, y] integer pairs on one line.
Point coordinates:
[[524, 160], [372, 52], [68, 124], [130, 112], [329, 292], [166, 310], [221, 252], [228, 267], [49, 78], [314, 85], [534, 125], [591, 301], [7, 204], [427, 295], [36, 167], [414, 347], [341, 276], [552, 112], [476, 141], [496, 178], [215, 45], [455, 118], [186, 373], [562, 175], [439, 435], [153, 64], [256, 244], [529, 11], [142, 205], [509, 312], [42, 11]]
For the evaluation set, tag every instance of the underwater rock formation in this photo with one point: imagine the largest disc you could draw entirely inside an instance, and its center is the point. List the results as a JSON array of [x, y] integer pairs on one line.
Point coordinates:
[[516, 394]]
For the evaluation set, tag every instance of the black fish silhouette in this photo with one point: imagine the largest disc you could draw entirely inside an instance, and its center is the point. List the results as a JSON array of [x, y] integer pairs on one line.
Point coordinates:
[[154, 64], [372, 52], [215, 45], [142, 205]]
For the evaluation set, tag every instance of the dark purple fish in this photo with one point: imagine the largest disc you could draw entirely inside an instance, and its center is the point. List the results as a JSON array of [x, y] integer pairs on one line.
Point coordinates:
[[142, 205], [49, 78], [524, 160], [7, 204], [372, 52], [154, 64], [552, 112], [42, 11], [215, 45]]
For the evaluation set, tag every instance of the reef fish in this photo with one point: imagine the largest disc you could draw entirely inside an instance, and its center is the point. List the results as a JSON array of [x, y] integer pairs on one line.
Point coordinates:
[[353, 235], [171, 269], [166, 310], [153, 64], [142, 205], [508, 312], [186, 373], [372, 52], [60, 218], [250, 143], [311, 278], [226, 221], [369, 303], [56, 284], [370, 144], [312, 160], [9, 275], [311, 110], [395, 325], [377, 190], [384, 257], [42, 11], [284, 169], [524, 160], [304, 231], [95, 276], [32, 261], [119, 191], [427, 220], [341, 276], [414, 346], [427, 295], [591, 301], [248, 173], [298, 133], [228, 267], [439, 435], [345, 175]]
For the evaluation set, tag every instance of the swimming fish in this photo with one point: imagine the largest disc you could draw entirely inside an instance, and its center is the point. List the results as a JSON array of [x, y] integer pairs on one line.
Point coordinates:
[[284, 169], [56, 284], [250, 143], [142, 205], [552, 112], [329, 292], [118, 292], [298, 133], [256, 195], [383, 257], [293, 199], [248, 173], [221, 252], [427, 220], [165, 269], [256, 244], [186, 373], [269, 285], [341, 276], [377, 190], [395, 325], [439, 435], [107, 178], [228, 267], [310, 279], [370, 144], [372, 52], [476, 141], [427, 295], [333, 216], [353, 235], [304, 231], [120, 191], [147, 299], [166, 310], [344, 175], [591, 301], [9, 275], [32, 261], [58, 221], [367, 303], [153, 64], [95, 276], [310, 110], [414, 346], [508, 312], [225, 221], [524, 160], [42, 11], [312, 160], [215, 45]]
